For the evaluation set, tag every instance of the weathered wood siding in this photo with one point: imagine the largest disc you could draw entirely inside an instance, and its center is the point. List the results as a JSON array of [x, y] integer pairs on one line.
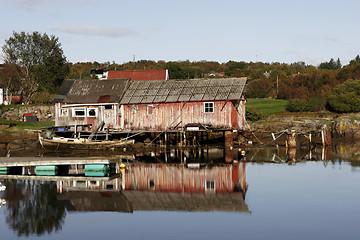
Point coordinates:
[[169, 115], [176, 178], [64, 116]]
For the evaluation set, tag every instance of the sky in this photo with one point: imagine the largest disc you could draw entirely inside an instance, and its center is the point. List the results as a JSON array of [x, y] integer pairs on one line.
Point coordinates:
[[285, 31]]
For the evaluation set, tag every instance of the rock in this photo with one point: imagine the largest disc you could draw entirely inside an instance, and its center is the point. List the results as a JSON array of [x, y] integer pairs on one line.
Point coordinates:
[[15, 114], [346, 127]]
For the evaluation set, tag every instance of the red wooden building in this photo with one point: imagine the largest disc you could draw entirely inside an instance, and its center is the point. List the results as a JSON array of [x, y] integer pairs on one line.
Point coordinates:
[[175, 104]]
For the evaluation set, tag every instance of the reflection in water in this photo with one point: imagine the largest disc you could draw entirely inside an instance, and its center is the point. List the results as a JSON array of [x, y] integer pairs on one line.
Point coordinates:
[[149, 187], [194, 180], [36, 205], [32, 207]]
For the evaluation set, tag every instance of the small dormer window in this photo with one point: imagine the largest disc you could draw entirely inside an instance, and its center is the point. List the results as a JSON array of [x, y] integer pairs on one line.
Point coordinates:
[[209, 107]]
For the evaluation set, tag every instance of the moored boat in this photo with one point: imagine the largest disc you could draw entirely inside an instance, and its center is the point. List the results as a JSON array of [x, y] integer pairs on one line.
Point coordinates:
[[83, 143]]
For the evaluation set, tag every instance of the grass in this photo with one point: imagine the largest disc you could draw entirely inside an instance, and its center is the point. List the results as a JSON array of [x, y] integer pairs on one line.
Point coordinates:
[[266, 106], [18, 125]]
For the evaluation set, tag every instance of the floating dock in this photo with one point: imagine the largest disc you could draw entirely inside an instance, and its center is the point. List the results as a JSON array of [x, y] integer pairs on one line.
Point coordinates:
[[56, 161]]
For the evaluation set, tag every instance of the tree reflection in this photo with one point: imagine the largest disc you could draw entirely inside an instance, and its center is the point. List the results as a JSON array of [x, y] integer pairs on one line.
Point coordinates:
[[32, 207]]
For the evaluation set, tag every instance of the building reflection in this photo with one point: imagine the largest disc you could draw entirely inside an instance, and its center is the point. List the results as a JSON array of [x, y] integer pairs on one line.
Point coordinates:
[[160, 187]]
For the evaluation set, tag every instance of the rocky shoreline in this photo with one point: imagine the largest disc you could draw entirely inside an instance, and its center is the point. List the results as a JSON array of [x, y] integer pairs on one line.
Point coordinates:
[[344, 128]]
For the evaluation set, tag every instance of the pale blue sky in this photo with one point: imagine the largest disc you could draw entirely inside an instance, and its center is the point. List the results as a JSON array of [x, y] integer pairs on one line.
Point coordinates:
[[287, 31]]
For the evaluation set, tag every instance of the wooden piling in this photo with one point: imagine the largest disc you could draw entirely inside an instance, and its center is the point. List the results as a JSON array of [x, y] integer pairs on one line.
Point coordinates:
[[292, 140], [292, 154], [229, 138], [229, 155], [326, 137]]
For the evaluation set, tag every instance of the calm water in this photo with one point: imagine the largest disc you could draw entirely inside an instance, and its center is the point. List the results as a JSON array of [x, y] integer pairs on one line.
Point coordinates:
[[252, 200]]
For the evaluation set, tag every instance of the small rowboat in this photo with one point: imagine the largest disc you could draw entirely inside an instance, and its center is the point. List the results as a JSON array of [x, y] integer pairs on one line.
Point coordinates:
[[83, 143]]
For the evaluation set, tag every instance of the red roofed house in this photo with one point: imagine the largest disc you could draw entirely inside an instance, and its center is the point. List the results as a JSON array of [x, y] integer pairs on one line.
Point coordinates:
[[136, 75]]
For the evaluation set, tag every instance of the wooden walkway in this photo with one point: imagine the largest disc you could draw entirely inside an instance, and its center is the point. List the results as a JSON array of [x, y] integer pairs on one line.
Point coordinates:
[[41, 161], [58, 178]]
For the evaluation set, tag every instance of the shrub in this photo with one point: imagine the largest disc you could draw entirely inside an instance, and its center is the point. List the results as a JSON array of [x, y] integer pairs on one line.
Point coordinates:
[[253, 116], [43, 98], [316, 104], [345, 97], [297, 105]]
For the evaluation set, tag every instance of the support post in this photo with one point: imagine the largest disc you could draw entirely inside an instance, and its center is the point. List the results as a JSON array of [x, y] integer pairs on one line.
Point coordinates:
[[292, 139], [326, 137], [229, 142], [229, 138]]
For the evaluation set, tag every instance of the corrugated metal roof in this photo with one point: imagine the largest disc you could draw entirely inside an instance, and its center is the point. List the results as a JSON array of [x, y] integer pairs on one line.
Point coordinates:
[[184, 90], [91, 91], [136, 75]]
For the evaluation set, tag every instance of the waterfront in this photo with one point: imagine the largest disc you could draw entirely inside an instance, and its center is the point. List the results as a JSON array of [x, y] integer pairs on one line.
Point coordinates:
[[257, 200]]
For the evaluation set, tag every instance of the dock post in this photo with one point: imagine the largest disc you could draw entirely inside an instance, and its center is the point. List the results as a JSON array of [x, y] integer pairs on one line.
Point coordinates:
[[325, 136], [292, 139], [292, 155], [229, 138], [229, 142]]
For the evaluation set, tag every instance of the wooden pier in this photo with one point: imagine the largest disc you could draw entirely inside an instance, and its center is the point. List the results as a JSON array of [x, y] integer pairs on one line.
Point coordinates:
[[39, 161]]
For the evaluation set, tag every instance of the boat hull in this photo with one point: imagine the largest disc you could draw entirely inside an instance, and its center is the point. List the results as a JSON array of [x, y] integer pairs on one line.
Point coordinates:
[[82, 143]]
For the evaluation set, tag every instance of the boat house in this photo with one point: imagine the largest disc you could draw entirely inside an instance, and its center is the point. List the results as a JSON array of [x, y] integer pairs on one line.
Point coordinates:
[[184, 104], [89, 103]]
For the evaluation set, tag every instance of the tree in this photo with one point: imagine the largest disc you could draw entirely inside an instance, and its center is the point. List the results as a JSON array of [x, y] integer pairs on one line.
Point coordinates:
[[345, 97], [175, 71], [8, 78], [331, 65], [32, 207], [40, 62]]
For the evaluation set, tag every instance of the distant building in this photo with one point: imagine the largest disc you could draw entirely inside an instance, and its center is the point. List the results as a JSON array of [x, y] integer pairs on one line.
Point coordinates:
[[216, 74], [99, 74], [136, 75]]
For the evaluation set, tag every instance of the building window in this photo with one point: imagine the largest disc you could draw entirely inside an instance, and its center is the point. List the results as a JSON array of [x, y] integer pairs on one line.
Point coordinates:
[[210, 186], [151, 185], [209, 107], [109, 106], [78, 112], [92, 112], [63, 112], [150, 109]]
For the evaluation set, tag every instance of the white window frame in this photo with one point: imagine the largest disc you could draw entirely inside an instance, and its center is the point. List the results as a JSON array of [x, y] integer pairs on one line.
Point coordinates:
[[88, 112], [209, 107], [78, 109], [63, 112], [151, 108]]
